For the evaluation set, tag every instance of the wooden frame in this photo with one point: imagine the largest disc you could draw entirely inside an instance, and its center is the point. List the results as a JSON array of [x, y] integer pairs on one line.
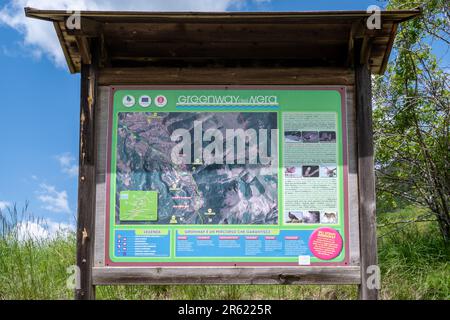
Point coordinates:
[[103, 274], [352, 274]]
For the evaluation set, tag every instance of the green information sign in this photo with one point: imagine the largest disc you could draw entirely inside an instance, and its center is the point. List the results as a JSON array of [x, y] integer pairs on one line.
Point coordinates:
[[227, 176]]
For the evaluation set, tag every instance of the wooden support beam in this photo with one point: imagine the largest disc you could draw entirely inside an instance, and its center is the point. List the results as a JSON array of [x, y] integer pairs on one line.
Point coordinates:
[[221, 75], [104, 60], [84, 49], [86, 179], [366, 49], [366, 176]]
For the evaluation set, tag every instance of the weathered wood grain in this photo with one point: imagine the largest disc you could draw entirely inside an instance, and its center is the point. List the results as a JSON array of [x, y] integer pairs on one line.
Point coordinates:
[[101, 127], [221, 275], [366, 178], [86, 181], [352, 178], [236, 76]]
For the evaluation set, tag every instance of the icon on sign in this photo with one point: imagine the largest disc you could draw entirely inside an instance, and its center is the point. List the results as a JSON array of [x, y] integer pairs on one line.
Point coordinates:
[[145, 101], [160, 101], [128, 101]]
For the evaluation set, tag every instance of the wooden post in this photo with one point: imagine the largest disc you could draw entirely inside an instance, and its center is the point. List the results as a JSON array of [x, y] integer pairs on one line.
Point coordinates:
[[366, 174], [86, 180]]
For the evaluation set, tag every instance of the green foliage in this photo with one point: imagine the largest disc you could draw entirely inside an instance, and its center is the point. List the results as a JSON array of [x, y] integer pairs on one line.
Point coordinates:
[[412, 117]]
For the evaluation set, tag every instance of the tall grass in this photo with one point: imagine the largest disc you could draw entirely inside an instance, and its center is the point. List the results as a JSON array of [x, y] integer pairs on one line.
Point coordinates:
[[414, 260], [32, 267], [414, 263]]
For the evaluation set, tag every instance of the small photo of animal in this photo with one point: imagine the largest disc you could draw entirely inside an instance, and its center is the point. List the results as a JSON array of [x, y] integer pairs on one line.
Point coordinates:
[[311, 217], [293, 172], [328, 217], [327, 136], [310, 136], [293, 136], [328, 171], [290, 170], [311, 171], [293, 217]]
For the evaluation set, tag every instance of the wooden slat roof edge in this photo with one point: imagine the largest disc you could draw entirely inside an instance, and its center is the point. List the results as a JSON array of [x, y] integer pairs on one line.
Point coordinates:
[[399, 15]]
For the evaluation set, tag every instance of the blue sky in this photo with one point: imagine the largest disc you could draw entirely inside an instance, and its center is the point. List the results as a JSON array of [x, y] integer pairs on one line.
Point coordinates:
[[40, 99]]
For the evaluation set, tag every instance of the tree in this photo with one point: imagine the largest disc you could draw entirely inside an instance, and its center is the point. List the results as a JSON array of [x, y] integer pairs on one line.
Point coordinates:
[[412, 115]]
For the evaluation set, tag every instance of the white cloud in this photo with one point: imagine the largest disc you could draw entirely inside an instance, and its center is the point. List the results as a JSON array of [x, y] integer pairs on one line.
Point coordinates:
[[52, 199], [4, 205], [31, 230], [40, 38], [67, 163]]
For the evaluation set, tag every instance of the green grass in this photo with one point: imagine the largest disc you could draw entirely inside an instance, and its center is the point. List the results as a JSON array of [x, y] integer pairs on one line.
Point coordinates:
[[414, 261], [415, 264]]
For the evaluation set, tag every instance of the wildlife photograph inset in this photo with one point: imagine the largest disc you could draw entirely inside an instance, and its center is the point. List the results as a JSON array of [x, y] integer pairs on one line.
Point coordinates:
[[327, 136], [328, 171], [311, 171], [293, 136], [293, 217], [310, 136], [328, 217], [293, 172]]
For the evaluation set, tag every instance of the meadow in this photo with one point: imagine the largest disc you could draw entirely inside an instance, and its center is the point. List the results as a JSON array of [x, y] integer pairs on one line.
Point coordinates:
[[414, 261]]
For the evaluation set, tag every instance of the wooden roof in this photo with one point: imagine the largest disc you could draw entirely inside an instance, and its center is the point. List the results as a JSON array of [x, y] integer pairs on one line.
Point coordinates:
[[128, 39]]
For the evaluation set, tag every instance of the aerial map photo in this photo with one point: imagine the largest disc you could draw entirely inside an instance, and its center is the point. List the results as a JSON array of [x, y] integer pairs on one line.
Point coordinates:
[[194, 192]]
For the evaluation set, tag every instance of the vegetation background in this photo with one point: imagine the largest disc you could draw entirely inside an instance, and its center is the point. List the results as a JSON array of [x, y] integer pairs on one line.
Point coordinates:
[[411, 121], [414, 260]]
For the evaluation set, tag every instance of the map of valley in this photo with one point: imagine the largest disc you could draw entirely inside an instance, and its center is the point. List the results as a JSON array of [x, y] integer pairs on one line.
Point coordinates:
[[196, 193]]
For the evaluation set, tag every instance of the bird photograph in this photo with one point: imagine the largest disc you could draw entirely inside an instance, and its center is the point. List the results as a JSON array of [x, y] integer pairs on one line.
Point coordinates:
[[295, 217]]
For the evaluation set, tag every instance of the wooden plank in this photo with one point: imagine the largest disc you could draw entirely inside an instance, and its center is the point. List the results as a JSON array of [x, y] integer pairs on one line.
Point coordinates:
[[221, 275], [366, 176], [86, 181], [215, 76], [129, 49], [352, 178], [101, 128], [195, 32], [95, 19], [214, 17], [60, 36], [387, 52]]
